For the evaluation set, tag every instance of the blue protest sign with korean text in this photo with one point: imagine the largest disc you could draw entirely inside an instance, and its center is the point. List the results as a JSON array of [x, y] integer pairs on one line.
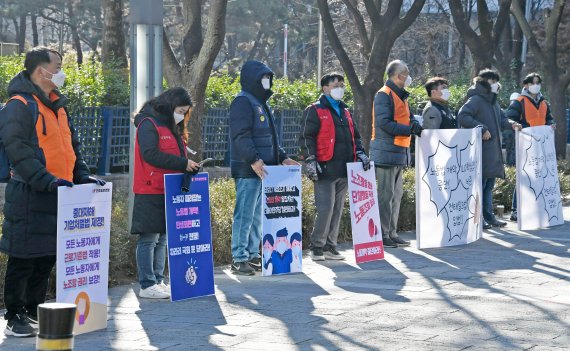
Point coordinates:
[[190, 259]]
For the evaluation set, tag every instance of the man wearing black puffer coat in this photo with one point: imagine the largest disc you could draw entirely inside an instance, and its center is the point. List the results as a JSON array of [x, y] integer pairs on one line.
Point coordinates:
[[254, 144], [43, 150]]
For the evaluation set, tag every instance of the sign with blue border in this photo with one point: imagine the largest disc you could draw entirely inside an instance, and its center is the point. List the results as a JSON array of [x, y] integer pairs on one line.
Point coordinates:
[[188, 228]]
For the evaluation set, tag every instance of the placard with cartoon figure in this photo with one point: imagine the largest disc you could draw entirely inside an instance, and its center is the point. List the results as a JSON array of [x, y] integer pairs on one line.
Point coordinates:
[[538, 186], [83, 237], [190, 256], [364, 214], [282, 241], [448, 187]]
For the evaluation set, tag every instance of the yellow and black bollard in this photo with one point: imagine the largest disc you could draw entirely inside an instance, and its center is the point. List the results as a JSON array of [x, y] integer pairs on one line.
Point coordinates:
[[56, 322]]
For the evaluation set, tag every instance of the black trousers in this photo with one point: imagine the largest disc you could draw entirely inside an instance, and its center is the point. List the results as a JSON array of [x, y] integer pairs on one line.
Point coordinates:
[[26, 283]]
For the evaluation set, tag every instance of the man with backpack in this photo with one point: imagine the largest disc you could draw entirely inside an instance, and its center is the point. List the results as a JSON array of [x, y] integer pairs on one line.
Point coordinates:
[[41, 153]]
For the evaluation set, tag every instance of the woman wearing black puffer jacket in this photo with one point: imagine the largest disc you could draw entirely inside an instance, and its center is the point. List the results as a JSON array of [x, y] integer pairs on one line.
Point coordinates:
[[159, 150]]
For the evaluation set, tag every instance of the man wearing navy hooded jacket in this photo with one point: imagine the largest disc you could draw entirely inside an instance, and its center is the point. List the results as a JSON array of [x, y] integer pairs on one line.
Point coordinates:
[[254, 144]]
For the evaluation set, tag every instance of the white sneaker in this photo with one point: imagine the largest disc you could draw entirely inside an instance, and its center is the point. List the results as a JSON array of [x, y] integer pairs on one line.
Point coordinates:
[[164, 287], [154, 292]]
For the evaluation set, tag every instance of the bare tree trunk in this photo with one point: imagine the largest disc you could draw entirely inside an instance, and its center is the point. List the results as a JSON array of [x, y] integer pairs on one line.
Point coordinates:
[[35, 36], [114, 48], [558, 103], [200, 54], [21, 33]]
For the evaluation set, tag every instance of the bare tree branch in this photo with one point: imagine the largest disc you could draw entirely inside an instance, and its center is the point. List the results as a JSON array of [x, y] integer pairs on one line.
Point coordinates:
[[516, 10], [352, 7], [193, 41]]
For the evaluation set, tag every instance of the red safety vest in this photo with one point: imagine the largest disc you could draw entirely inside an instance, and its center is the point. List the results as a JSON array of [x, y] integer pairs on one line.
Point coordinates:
[[149, 179], [327, 136], [533, 116]]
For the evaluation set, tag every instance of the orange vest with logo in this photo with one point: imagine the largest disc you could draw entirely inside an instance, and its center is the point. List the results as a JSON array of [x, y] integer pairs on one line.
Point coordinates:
[[54, 138], [533, 116], [401, 116]]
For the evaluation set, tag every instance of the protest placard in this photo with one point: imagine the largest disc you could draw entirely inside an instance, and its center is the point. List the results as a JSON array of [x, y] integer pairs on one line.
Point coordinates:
[[282, 241], [364, 214], [83, 236], [538, 186], [448, 187], [188, 227]]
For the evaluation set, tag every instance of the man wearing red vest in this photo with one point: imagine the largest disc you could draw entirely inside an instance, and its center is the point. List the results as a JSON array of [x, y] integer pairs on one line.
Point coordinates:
[[329, 139], [530, 109], [392, 127]]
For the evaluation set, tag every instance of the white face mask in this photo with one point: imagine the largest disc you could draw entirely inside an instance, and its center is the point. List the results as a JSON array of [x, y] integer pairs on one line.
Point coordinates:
[[495, 88], [267, 255], [281, 247], [57, 78], [534, 88], [337, 93], [408, 81], [296, 251], [178, 117], [266, 83], [445, 94]]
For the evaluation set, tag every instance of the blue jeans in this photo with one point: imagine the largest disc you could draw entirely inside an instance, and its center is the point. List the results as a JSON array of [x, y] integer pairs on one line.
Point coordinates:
[[488, 185], [151, 257], [514, 204], [246, 228]]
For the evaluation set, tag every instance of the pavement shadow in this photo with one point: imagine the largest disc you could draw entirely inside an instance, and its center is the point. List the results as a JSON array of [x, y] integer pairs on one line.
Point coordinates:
[[287, 306]]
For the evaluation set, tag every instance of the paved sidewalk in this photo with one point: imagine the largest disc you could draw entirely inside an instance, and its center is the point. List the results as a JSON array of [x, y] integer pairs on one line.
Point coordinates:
[[510, 290]]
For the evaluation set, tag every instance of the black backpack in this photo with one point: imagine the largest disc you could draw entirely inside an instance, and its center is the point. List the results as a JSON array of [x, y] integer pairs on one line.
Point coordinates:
[[4, 162]]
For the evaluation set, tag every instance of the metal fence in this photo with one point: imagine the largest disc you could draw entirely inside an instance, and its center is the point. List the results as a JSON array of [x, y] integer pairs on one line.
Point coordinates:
[[104, 134]]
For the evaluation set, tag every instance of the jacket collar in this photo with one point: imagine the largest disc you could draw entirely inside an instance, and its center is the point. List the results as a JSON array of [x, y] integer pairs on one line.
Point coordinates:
[[402, 93]]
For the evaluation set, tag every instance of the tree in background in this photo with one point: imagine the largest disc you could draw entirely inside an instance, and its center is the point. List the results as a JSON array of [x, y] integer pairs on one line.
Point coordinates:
[[114, 48], [554, 66], [199, 48], [376, 43]]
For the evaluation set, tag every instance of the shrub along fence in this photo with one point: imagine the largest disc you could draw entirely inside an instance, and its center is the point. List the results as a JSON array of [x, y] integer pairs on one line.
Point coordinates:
[[104, 133]]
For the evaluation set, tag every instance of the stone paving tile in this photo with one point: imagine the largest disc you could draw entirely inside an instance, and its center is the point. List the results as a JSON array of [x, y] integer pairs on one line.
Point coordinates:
[[508, 291]]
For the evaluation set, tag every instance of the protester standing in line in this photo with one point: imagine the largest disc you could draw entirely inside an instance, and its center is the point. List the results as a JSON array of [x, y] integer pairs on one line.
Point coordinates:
[[159, 150], [392, 127], [509, 137], [530, 109], [436, 113], [329, 140], [43, 151], [254, 144], [482, 110]]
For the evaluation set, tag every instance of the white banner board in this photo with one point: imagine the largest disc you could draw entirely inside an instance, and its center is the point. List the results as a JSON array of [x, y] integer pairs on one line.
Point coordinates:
[[538, 186], [83, 236], [364, 213], [448, 187], [282, 241]]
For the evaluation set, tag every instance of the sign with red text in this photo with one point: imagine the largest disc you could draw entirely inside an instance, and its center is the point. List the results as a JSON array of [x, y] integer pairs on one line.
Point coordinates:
[[83, 236], [364, 214]]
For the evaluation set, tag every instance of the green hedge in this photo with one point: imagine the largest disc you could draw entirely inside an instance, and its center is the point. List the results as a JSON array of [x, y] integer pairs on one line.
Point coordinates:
[[85, 85]]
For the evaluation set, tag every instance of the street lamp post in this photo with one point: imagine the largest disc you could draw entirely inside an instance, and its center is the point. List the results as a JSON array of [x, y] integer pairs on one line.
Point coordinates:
[[145, 65]]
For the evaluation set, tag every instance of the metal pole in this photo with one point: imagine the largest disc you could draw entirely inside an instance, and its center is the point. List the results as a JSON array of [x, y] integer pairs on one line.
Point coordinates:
[[450, 38], [525, 42], [145, 66], [285, 52], [320, 54]]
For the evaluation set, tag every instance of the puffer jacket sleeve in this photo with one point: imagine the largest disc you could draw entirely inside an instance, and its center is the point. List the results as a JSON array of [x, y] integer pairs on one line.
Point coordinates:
[[384, 116], [241, 124], [514, 111], [432, 118], [467, 113], [549, 118], [310, 126], [17, 132], [147, 136], [506, 124], [358, 140]]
